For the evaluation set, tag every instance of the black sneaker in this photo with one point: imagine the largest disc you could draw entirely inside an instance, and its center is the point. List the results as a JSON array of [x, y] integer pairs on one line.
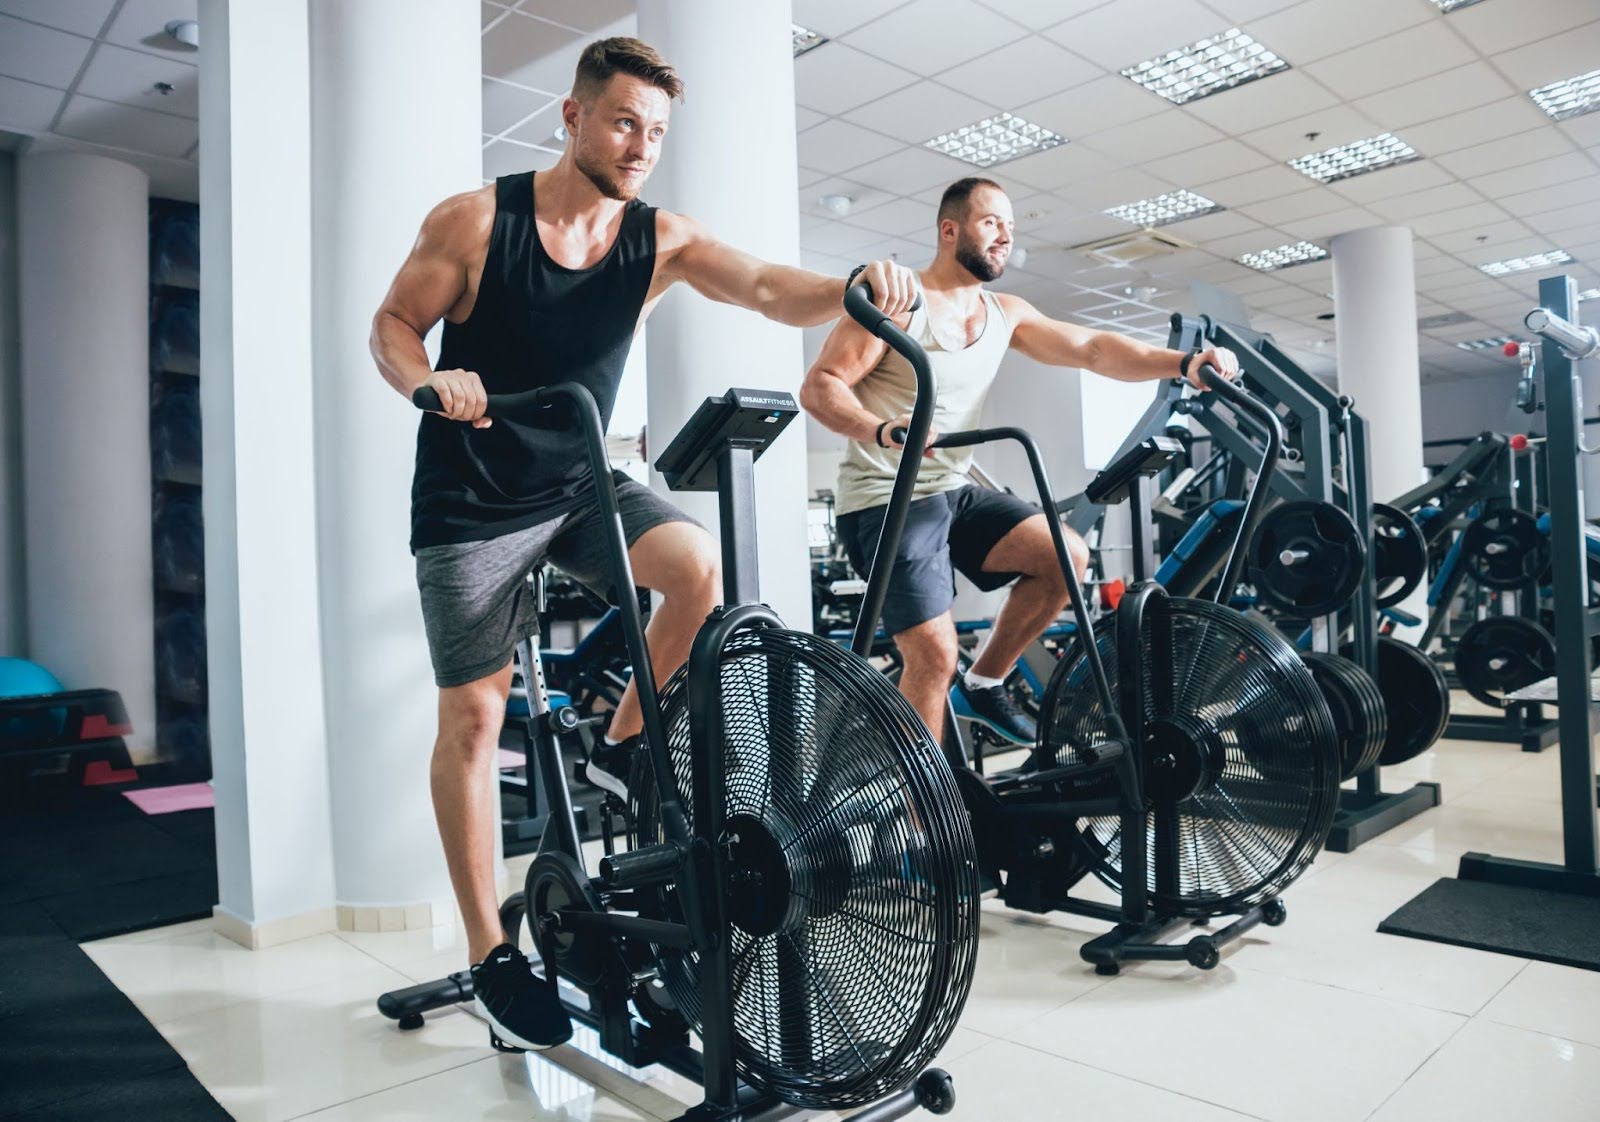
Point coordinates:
[[522, 1010], [996, 708], [609, 765]]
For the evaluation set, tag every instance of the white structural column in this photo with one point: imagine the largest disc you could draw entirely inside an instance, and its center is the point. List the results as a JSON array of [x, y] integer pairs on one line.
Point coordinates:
[[1375, 299], [269, 743], [729, 161], [396, 127], [83, 264]]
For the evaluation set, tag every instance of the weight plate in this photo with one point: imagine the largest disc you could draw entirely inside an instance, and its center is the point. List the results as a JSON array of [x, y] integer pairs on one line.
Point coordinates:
[[1399, 554], [1416, 700], [1307, 558], [1502, 654], [1357, 707], [1504, 549]]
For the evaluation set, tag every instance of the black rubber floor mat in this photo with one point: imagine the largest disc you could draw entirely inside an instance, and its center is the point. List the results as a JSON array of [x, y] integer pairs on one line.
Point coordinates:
[[171, 1096], [97, 913], [1526, 922]]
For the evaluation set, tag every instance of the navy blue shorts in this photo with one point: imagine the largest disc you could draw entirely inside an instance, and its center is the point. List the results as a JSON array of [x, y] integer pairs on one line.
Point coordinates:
[[944, 533]]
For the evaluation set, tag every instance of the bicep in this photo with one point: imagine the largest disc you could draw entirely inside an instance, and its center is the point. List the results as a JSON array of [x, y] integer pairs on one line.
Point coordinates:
[[716, 270], [849, 354]]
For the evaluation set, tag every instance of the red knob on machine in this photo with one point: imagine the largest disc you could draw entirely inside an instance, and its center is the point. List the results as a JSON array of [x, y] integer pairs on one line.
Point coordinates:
[[1512, 348], [1519, 443]]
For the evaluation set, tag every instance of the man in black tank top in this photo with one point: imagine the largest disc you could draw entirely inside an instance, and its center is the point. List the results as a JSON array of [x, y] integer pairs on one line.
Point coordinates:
[[544, 279]]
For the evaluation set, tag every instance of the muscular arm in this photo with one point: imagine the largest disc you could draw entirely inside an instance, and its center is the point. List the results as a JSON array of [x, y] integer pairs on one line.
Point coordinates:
[[433, 280], [1105, 352], [797, 297], [849, 354]]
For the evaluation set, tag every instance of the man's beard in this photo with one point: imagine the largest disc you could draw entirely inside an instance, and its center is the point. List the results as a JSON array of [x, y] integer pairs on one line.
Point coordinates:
[[976, 262], [607, 185]]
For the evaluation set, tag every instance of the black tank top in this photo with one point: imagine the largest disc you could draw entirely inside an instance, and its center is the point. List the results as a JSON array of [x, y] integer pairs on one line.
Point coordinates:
[[535, 323]]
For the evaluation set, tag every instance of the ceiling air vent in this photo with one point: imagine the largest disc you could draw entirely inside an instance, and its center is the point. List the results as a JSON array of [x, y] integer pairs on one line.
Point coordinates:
[[1128, 249]]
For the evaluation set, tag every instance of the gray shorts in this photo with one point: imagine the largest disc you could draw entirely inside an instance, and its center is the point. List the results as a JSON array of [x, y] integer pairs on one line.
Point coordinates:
[[476, 601]]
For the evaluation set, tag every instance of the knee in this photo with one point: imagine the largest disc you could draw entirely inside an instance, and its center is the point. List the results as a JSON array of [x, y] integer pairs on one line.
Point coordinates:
[[935, 658], [697, 575], [469, 728], [1078, 550]]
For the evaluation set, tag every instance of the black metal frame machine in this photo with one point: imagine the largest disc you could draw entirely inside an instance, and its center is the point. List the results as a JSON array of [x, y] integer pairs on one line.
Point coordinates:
[[802, 888], [1186, 756], [1325, 559]]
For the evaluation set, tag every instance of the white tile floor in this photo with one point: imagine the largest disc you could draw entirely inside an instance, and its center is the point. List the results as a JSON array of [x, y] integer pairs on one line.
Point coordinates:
[[1321, 1020]]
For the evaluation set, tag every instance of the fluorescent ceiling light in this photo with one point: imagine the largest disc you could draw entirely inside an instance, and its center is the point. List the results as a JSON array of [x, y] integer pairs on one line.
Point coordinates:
[[1356, 158], [1448, 6], [1495, 343], [805, 39], [1162, 209], [1570, 97], [1283, 256], [1221, 62], [994, 140], [1521, 264]]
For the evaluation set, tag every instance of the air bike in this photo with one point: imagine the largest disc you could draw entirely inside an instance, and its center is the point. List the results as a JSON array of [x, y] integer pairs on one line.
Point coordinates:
[[1186, 757], [801, 891]]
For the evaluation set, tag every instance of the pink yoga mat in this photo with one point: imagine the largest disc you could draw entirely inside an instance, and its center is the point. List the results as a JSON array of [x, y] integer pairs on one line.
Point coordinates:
[[166, 800], [510, 759]]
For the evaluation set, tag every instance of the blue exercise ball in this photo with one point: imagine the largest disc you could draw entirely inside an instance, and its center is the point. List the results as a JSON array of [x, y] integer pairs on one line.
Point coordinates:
[[21, 678]]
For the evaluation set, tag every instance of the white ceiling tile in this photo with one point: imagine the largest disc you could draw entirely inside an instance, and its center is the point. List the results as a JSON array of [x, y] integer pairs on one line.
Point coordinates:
[[931, 35], [1021, 72], [1216, 160], [504, 158], [1547, 172], [27, 106], [1563, 219], [1099, 104], [40, 54], [1170, 130], [911, 170], [1408, 208], [1205, 230], [1439, 95], [583, 15], [1287, 208], [1473, 242], [1112, 189], [1114, 37], [1057, 167], [835, 17], [860, 195], [504, 105], [1316, 30], [533, 53], [1249, 242], [130, 77], [1333, 124], [838, 145], [1255, 105], [1516, 156], [141, 24], [1565, 55], [82, 17], [1583, 131], [1240, 10], [1039, 14], [1507, 117], [838, 239], [1321, 227], [1077, 231], [489, 12], [1253, 186], [540, 127], [920, 112], [121, 126], [804, 118], [1388, 182], [836, 77], [1497, 27], [1581, 192], [1427, 48], [897, 217]]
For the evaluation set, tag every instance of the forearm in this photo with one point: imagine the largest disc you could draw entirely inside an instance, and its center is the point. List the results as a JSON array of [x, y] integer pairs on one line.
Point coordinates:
[[1127, 360], [836, 407], [799, 297], [398, 350]]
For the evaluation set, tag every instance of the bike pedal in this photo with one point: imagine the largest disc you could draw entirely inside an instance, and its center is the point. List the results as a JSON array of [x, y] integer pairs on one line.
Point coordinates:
[[501, 1046]]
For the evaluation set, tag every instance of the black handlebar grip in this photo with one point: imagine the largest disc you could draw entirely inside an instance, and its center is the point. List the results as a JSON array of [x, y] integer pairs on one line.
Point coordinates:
[[427, 398], [899, 433]]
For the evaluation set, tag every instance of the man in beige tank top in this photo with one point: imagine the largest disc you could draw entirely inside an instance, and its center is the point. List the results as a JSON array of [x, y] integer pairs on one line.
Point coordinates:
[[862, 390]]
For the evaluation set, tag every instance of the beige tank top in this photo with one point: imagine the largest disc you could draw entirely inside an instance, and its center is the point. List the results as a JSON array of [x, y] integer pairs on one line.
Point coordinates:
[[961, 379]]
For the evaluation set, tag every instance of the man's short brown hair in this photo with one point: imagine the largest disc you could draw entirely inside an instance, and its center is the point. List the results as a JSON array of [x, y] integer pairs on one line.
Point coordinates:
[[605, 58], [953, 204]]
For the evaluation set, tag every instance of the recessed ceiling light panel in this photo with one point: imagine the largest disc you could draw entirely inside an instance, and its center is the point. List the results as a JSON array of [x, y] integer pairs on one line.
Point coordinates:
[[1522, 264], [1283, 256], [1357, 158], [1570, 97], [994, 140], [1494, 342], [805, 39], [1159, 211], [1220, 62], [1448, 6]]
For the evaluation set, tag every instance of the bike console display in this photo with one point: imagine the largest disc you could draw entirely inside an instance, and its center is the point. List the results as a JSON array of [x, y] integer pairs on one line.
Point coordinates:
[[744, 418]]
